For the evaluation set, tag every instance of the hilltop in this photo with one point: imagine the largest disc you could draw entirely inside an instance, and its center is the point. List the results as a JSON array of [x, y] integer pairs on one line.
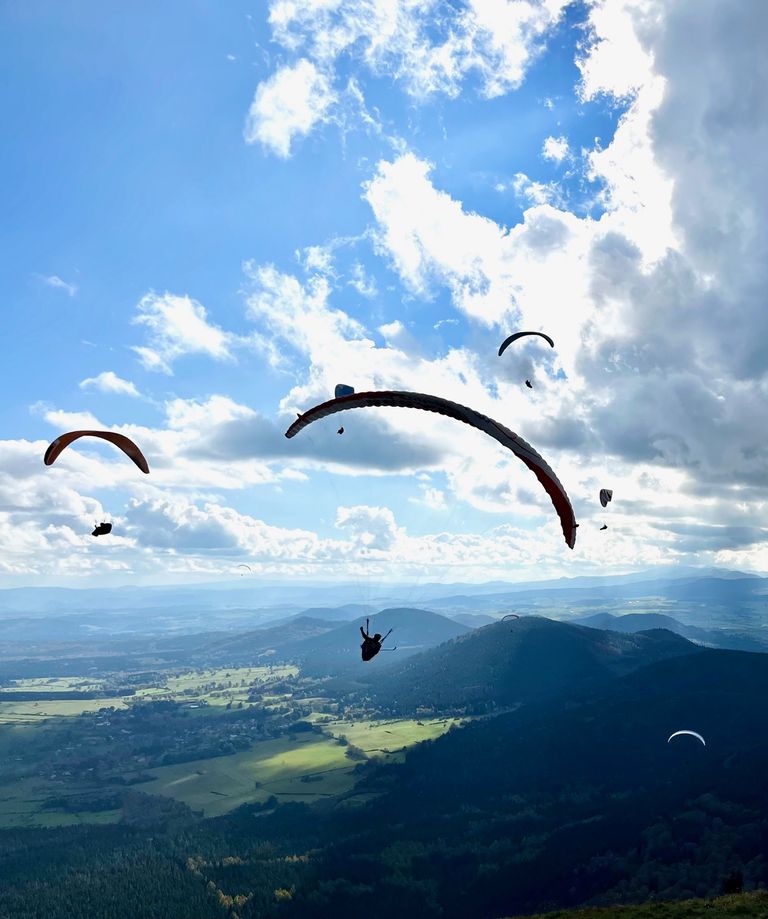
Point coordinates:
[[338, 650], [518, 660]]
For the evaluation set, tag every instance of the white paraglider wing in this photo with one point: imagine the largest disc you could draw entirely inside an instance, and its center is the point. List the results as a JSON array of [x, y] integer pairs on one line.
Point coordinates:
[[692, 733]]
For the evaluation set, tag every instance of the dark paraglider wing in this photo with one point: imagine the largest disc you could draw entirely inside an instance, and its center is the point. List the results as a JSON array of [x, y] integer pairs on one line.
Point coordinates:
[[605, 496], [508, 341], [343, 390], [524, 451], [119, 440]]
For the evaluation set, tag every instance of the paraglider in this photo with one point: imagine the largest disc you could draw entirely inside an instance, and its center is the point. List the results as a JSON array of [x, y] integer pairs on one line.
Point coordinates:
[[371, 644], [508, 341], [343, 390], [509, 616], [247, 567], [524, 451], [604, 527], [102, 529], [605, 496], [119, 440], [529, 384], [340, 431], [691, 733]]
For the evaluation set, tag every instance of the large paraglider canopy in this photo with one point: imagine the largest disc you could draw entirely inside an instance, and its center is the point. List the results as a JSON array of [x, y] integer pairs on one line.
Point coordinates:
[[605, 496], [343, 390], [103, 529], [504, 436], [119, 440], [508, 341], [690, 733]]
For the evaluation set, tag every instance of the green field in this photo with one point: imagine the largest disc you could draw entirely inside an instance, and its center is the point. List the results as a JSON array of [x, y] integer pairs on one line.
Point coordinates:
[[213, 686], [215, 786], [29, 712], [22, 804]]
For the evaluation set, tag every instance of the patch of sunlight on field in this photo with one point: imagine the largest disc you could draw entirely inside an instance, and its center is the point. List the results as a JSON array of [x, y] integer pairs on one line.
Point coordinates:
[[220, 784], [231, 677], [29, 712], [375, 736], [304, 769]]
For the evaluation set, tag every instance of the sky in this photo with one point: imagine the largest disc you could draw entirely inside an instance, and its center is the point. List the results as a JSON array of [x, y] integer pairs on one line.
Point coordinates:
[[215, 212]]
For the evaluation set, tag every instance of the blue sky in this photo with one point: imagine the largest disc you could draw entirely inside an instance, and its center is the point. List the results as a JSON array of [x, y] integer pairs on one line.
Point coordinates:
[[214, 212]]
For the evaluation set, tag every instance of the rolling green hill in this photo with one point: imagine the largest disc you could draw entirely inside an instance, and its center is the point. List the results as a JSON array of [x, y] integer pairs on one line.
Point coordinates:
[[518, 660]]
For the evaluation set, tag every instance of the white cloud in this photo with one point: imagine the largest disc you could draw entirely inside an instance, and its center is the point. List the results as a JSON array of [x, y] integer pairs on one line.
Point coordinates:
[[657, 379], [317, 258], [288, 105], [534, 192], [108, 381], [363, 283], [428, 46], [555, 149], [55, 281], [177, 326]]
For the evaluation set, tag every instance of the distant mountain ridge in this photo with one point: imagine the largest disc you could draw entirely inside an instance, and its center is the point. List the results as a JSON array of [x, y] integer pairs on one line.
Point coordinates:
[[338, 650], [638, 622]]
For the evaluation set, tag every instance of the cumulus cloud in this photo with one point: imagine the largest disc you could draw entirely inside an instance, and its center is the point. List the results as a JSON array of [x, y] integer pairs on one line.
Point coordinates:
[[177, 326], [287, 105], [109, 382], [555, 149], [654, 306], [426, 46]]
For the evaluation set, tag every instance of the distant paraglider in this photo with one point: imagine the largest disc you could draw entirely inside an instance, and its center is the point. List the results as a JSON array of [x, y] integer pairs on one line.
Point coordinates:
[[119, 440], [248, 569], [342, 390], [604, 527], [102, 529], [524, 451], [691, 733], [529, 384], [340, 431], [509, 616], [508, 341], [606, 494]]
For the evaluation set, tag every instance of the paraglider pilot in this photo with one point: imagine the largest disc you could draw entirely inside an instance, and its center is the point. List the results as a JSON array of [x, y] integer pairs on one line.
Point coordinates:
[[371, 645]]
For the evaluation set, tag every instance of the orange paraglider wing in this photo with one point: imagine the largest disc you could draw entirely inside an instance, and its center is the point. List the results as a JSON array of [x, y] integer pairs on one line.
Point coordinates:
[[119, 440]]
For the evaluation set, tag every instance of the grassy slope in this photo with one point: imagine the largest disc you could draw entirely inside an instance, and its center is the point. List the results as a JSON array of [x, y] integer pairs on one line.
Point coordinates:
[[753, 904]]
